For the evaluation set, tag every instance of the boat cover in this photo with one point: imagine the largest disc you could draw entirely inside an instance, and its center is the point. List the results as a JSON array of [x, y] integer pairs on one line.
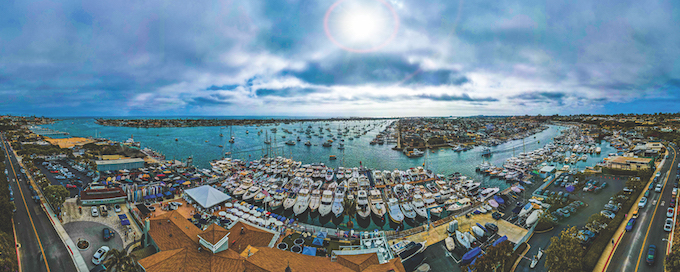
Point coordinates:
[[470, 255], [500, 240]]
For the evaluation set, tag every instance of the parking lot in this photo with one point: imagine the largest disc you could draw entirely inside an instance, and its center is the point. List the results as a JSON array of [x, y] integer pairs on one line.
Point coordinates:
[[73, 187], [92, 232]]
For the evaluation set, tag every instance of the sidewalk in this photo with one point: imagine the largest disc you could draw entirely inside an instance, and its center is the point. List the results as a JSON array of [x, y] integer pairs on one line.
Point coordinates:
[[77, 258], [603, 263]]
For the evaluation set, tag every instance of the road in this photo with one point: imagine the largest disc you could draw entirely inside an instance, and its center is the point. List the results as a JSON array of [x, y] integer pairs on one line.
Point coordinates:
[[631, 253], [40, 249]]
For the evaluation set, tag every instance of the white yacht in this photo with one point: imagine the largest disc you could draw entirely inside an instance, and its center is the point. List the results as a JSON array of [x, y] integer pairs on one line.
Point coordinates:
[[302, 201], [278, 200], [395, 211], [407, 209], [339, 199], [329, 175], [363, 209], [326, 203], [419, 205], [252, 191], [315, 200], [377, 204]]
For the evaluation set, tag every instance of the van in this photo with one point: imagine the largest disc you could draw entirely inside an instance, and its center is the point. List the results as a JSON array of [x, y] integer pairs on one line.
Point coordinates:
[[103, 211]]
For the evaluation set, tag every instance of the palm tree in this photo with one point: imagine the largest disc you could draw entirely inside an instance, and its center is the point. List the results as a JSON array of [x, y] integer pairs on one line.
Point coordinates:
[[120, 261], [350, 211]]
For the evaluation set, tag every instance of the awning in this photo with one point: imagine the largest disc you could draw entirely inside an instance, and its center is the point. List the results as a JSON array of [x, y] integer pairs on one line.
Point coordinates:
[[149, 197], [159, 195], [318, 241], [311, 251], [168, 193], [172, 189]]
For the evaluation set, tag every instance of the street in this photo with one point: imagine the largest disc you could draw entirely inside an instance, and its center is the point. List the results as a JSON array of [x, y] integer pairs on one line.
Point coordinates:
[[631, 253], [40, 248]]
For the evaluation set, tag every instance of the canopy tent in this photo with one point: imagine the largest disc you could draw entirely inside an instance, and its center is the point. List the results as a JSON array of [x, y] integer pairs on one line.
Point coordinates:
[[207, 196], [125, 222], [318, 241], [122, 216], [168, 193], [311, 251]]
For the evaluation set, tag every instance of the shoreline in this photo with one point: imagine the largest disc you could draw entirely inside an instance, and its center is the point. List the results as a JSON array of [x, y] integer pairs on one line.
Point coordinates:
[[175, 123]]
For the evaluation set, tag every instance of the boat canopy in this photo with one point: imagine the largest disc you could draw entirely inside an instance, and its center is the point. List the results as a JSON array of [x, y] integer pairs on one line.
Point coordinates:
[[500, 240]]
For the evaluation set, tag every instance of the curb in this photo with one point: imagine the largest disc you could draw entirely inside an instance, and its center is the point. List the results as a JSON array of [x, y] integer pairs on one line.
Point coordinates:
[[16, 245], [519, 259]]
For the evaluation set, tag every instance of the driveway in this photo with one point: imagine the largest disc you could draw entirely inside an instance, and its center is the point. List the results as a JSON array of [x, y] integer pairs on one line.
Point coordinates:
[[92, 232]]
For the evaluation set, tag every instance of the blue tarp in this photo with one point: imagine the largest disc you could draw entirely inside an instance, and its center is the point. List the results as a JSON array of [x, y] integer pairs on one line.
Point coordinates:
[[311, 251], [499, 200], [125, 222], [159, 195], [470, 255], [321, 234], [172, 189], [168, 193], [122, 216], [318, 241], [500, 240]]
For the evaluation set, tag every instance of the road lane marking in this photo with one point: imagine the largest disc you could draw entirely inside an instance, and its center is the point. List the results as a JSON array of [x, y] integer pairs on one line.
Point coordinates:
[[644, 242], [27, 211]]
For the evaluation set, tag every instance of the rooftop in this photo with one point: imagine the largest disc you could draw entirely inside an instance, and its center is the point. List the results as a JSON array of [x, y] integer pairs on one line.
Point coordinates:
[[119, 161]]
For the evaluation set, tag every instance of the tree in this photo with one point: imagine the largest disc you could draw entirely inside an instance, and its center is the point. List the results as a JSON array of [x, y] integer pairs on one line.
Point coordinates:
[[499, 256], [56, 195], [120, 261], [565, 252], [672, 262]]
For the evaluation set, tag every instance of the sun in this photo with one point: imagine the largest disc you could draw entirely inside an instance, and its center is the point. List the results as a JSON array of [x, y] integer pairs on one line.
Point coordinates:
[[361, 25]]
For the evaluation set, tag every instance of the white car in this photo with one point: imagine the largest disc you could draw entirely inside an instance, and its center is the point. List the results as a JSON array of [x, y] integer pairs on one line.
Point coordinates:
[[116, 208], [176, 203], [100, 255], [658, 188], [642, 203], [669, 225], [95, 212]]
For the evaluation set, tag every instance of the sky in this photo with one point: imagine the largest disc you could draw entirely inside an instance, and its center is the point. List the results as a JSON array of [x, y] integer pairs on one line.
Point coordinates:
[[338, 58]]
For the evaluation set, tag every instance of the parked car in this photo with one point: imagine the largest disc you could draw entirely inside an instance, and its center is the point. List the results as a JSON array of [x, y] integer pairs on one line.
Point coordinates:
[[107, 234], [630, 224], [669, 225], [103, 211], [658, 188], [642, 203], [651, 254], [647, 193], [100, 254], [672, 203], [116, 208], [94, 211], [70, 186], [669, 212], [608, 214]]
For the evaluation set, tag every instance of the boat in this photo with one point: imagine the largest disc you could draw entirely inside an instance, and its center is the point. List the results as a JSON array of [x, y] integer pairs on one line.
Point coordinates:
[[478, 232], [407, 209], [290, 142], [302, 201], [376, 203], [290, 200], [363, 209], [278, 200], [533, 217], [450, 244], [315, 200], [308, 143], [326, 202], [419, 206], [486, 152], [394, 210], [259, 196], [525, 210], [332, 157], [411, 253], [329, 174], [470, 256], [252, 191], [462, 239], [339, 198]]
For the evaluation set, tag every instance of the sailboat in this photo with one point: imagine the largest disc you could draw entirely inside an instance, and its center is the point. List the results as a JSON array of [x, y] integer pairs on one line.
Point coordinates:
[[231, 140]]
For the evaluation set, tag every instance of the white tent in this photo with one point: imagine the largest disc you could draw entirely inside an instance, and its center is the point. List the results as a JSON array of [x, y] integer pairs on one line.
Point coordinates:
[[207, 196]]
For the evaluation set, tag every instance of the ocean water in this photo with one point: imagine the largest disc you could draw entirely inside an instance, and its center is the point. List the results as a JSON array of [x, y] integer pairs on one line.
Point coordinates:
[[201, 143]]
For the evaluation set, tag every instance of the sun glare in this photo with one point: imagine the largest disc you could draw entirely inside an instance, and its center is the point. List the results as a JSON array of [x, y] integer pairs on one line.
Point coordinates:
[[362, 25]]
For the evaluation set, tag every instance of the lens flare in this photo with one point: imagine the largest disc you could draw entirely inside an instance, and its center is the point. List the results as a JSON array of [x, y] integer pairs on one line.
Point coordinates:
[[361, 26]]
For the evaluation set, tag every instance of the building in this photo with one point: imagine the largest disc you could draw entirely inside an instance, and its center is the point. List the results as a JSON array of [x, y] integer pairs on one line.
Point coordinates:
[[240, 246], [120, 164], [628, 163], [207, 196], [103, 196], [546, 171]]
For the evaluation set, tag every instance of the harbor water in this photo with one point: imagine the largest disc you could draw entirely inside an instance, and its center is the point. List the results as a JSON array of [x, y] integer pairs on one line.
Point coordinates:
[[202, 144]]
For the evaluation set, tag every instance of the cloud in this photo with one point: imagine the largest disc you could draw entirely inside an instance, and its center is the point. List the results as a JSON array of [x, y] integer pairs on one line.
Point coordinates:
[[462, 97]]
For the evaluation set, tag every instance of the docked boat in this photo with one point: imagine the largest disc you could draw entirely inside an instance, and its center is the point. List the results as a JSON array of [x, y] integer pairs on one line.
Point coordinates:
[[315, 200], [329, 175], [419, 206], [362, 208], [252, 191], [394, 210], [376, 203], [534, 217], [278, 200], [462, 239], [478, 232], [411, 253], [302, 202], [407, 209], [290, 200], [326, 203], [526, 209], [338, 200]]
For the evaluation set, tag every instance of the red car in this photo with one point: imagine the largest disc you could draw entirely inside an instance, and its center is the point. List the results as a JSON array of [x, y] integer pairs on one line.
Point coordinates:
[[54, 171], [71, 186]]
